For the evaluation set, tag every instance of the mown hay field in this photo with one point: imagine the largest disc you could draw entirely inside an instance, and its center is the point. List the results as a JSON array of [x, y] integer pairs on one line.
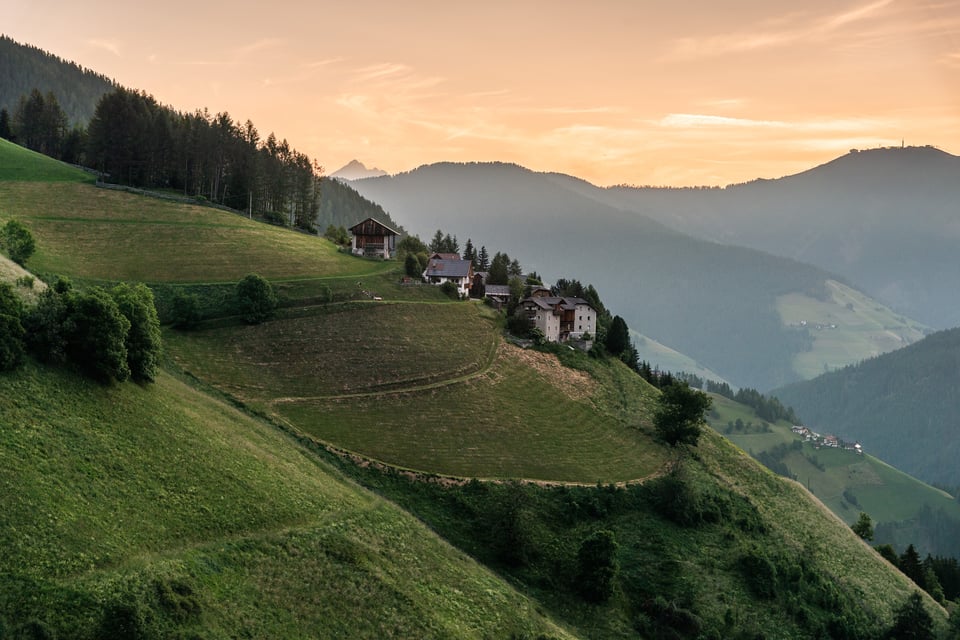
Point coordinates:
[[425, 387], [340, 349]]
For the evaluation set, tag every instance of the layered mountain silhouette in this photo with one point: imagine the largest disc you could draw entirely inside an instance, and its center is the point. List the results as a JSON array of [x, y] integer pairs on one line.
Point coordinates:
[[887, 220]]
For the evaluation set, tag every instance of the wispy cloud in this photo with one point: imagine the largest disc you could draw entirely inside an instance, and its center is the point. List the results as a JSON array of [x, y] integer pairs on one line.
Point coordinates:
[[107, 45], [260, 45], [771, 34], [700, 121]]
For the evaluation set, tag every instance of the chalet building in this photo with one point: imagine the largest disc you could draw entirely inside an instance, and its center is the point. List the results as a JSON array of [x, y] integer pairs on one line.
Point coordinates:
[[497, 294], [373, 239], [561, 319], [451, 268]]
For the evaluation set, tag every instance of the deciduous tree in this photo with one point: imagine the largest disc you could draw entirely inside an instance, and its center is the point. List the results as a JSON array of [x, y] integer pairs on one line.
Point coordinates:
[[143, 341], [597, 566], [17, 241], [256, 299], [679, 416]]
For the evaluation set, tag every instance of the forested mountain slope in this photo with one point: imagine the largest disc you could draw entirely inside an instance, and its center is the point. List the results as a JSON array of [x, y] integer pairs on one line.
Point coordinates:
[[24, 68], [904, 404], [884, 219]]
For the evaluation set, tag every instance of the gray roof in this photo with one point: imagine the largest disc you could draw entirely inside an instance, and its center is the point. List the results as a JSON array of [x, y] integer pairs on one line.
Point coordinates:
[[497, 290], [448, 268], [549, 302]]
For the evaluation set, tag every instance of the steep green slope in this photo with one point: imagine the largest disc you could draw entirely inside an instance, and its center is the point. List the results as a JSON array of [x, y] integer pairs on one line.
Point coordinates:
[[158, 507], [17, 163], [904, 510]]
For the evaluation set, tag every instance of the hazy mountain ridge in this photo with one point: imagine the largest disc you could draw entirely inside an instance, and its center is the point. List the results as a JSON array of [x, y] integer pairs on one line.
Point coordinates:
[[713, 302], [356, 170], [25, 68], [885, 219]]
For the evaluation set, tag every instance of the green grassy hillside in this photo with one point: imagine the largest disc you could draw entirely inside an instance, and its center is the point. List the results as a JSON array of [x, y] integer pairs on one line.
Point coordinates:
[[158, 511], [431, 387], [848, 483], [846, 327], [192, 517], [18, 163]]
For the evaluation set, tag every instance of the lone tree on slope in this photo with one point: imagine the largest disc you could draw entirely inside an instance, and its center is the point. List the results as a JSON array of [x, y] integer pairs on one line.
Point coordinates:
[[678, 418]]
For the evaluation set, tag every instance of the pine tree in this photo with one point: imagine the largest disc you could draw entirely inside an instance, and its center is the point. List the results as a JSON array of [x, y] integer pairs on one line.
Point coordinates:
[[483, 259]]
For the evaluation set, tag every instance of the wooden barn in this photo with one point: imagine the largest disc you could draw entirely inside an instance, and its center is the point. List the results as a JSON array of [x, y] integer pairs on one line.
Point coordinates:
[[374, 239]]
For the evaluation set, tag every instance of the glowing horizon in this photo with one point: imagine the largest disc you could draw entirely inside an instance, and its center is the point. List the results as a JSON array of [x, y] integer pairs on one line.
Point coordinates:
[[612, 92]]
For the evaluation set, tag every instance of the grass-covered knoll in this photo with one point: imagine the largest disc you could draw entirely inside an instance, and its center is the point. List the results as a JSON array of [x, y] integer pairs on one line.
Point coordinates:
[[424, 386], [21, 164], [848, 483], [159, 508], [846, 327], [90, 233]]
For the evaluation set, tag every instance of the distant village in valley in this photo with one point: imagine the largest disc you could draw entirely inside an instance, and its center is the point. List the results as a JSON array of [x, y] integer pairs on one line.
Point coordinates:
[[830, 442]]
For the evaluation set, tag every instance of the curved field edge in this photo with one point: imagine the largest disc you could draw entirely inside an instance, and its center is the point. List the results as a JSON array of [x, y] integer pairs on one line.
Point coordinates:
[[113, 495], [415, 389]]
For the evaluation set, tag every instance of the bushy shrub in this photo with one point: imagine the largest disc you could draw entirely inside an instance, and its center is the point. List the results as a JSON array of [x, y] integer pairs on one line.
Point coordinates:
[[11, 342], [256, 299], [597, 566], [184, 310], [449, 289], [17, 241]]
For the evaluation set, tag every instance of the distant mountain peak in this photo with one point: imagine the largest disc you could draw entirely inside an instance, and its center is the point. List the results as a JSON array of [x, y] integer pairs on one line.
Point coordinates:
[[356, 170]]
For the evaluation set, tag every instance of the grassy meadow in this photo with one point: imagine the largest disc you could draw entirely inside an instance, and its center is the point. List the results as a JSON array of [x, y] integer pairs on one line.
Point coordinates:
[[19, 164], [852, 328], [99, 234]]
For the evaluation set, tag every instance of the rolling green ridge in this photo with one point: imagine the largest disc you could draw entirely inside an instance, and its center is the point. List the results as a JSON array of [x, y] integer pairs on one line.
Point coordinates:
[[163, 511]]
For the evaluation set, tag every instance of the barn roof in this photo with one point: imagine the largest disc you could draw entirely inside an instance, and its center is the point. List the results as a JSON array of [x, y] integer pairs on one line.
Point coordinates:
[[371, 227]]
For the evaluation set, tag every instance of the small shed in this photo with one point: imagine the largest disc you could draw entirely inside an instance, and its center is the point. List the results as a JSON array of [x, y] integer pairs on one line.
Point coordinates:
[[374, 239]]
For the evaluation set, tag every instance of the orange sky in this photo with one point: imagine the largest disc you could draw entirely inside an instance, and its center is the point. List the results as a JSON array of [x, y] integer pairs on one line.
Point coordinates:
[[614, 91]]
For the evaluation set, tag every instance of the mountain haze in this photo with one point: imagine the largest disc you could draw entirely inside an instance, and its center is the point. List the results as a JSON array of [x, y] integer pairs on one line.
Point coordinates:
[[356, 170], [715, 303], [886, 220]]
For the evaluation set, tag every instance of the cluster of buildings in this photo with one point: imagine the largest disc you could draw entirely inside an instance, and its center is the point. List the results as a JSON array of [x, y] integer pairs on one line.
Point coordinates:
[[559, 318], [830, 442]]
